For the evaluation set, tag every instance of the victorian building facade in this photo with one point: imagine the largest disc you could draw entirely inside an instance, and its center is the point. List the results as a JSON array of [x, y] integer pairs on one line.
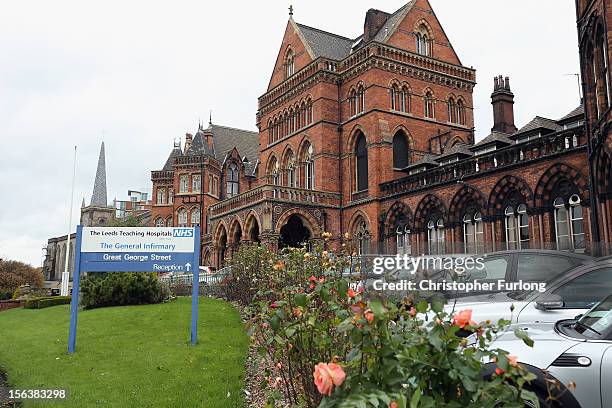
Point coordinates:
[[594, 37], [374, 137]]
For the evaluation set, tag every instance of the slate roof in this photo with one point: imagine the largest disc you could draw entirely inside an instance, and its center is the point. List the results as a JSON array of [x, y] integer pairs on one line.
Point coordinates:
[[426, 160], [226, 138], [250, 168], [494, 137], [579, 111], [337, 47], [458, 149], [392, 22], [540, 123], [199, 147], [176, 152], [325, 44]]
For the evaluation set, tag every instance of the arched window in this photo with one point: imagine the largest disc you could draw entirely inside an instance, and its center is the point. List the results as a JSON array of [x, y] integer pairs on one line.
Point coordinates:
[[195, 217], [395, 97], [405, 99], [428, 101], [291, 181], [169, 222], [159, 222], [291, 121], [309, 116], [361, 152], [363, 236], [298, 118], [452, 110], [601, 66], [352, 102], [569, 223], [402, 233], [182, 217], [170, 195], [400, 151], [289, 64], [360, 99], [517, 227], [309, 169], [161, 196], [274, 172], [435, 236], [423, 42], [232, 185], [473, 233], [461, 112]]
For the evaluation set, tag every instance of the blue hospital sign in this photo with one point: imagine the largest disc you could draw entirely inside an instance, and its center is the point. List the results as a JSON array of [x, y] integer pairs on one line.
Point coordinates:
[[135, 249]]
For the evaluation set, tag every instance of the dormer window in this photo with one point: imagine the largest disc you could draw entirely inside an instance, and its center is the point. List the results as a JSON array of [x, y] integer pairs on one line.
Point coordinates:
[[289, 64]]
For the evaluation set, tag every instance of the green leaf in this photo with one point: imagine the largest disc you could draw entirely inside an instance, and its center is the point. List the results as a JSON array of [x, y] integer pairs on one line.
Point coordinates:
[[522, 334], [377, 308], [416, 397], [274, 323], [422, 306], [300, 299]]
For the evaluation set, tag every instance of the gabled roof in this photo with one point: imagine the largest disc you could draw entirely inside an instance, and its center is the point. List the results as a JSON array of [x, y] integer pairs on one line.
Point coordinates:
[[176, 152], [393, 22], [459, 149], [539, 123], [325, 44], [497, 138], [579, 111]]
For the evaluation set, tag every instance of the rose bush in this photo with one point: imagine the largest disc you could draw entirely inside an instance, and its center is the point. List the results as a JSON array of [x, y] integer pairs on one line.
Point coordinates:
[[333, 347]]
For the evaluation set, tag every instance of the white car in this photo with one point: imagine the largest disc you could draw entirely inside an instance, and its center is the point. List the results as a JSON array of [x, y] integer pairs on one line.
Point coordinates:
[[572, 359], [564, 298]]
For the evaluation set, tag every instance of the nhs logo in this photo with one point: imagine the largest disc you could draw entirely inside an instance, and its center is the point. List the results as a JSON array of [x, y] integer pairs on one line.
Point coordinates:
[[182, 232]]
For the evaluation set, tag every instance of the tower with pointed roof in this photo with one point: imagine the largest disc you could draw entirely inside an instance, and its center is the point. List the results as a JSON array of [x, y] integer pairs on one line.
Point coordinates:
[[98, 212]]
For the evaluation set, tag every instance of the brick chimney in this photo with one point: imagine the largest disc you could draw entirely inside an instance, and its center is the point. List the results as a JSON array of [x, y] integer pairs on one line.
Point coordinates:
[[374, 20], [502, 100], [188, 140]]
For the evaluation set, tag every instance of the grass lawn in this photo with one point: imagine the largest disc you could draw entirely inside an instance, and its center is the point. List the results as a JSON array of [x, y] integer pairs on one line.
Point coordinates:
[[134, 356]]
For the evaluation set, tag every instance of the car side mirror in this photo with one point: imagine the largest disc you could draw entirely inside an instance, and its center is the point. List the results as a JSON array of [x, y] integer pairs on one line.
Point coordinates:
[[549, 302]]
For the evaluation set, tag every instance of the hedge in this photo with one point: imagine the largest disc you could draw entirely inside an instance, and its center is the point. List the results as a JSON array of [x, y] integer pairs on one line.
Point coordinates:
[[42, 302]]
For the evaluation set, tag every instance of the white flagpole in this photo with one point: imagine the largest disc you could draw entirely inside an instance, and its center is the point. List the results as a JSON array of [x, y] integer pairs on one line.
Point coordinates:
[[66, 274]]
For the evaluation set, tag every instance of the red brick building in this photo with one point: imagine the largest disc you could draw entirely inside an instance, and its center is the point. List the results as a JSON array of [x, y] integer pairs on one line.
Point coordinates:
[[374, 136], [594, 38]]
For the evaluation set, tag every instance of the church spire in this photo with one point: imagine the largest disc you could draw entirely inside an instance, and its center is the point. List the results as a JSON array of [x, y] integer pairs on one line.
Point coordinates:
[[98, 198]]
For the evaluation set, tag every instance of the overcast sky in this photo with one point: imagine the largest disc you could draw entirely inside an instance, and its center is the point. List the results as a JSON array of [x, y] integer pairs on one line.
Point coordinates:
[[139, 74]]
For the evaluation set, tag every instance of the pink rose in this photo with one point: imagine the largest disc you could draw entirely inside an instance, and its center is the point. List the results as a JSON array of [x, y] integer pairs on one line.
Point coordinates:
[[328, 375]]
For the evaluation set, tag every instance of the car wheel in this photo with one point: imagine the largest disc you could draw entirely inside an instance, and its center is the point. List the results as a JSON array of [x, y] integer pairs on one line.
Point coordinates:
[[543, 401]]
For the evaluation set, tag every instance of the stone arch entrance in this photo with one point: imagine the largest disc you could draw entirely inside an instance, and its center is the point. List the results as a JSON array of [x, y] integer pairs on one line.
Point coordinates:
[[294, 233], [252, 229]]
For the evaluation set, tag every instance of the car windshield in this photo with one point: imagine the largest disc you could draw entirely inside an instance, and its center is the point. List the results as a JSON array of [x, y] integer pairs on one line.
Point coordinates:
[[597, 322]]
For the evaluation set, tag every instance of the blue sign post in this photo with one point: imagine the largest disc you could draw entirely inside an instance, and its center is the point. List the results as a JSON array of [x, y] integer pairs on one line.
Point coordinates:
[[135, 249]]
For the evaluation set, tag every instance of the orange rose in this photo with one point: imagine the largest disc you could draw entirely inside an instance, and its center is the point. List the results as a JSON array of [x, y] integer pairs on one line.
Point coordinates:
[[326, 376], [512, 361], [499, 371], [464, 318], [351, 293], [297, 312], [369, 315], [393, 404]]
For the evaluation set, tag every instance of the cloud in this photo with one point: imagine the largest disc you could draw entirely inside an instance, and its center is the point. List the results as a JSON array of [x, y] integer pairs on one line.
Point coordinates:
[[139, 74]]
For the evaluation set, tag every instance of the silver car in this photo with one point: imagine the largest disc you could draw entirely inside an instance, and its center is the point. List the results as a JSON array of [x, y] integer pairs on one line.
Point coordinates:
[[564, 298], [572, 359]]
